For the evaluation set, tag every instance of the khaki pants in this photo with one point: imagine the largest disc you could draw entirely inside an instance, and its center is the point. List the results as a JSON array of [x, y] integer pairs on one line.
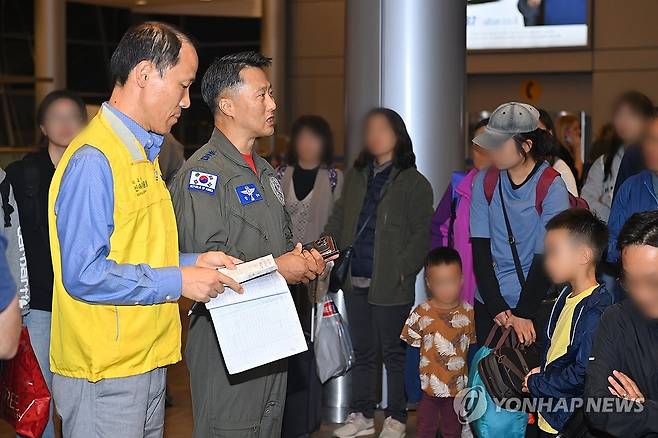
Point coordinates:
[[245, 405]]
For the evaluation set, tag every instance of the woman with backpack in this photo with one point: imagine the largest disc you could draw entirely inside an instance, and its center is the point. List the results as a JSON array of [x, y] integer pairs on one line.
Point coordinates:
[[512, 202], [384, 214], [60, 116]]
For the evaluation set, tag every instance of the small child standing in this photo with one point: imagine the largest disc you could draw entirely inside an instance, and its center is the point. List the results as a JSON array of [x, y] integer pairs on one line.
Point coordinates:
[[574, 243], [444, 329]]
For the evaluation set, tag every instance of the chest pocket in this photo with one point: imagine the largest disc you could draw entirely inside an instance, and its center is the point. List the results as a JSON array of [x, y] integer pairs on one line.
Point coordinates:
[[245, 233], [144, 187]]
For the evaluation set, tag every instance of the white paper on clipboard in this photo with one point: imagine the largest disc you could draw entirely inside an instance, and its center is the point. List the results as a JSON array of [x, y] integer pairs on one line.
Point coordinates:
[[258, 326]]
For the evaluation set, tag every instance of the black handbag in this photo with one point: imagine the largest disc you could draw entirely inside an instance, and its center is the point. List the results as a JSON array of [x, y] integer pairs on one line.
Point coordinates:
[[342, 265], [503, 371], [341, 269]]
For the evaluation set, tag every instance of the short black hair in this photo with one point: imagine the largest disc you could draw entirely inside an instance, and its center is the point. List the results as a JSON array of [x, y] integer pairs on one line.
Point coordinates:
[[224, 73], [640, 229], [318, 126], [152, 41], [403, 154], [585, 227], [443, 255], [51, 98]]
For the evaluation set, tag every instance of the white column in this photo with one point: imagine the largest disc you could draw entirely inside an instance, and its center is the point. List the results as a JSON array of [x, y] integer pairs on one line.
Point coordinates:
[[410, 56]]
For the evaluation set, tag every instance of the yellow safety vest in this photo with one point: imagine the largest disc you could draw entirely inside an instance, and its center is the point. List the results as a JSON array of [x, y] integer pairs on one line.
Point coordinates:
[[94, 341]]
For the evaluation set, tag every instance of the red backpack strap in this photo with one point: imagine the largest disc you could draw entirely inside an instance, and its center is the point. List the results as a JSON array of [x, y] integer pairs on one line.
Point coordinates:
[[490, 180], [545, 180]]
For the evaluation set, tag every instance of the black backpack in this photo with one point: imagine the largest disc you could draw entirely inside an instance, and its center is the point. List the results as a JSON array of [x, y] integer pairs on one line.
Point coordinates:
[[503, 371]]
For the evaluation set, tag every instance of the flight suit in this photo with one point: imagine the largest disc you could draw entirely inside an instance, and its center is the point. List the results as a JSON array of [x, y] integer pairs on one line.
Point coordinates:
[[221, 205]]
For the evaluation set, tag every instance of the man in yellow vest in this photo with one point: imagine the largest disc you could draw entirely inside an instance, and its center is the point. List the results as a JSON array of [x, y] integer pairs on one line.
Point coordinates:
[[114, 242]]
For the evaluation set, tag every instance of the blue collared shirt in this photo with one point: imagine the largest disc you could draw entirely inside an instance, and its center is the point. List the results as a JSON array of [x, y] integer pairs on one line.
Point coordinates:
[[85, 209]]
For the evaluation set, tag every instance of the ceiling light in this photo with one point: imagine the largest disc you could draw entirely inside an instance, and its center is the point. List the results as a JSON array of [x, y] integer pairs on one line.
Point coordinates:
[[141, 2]]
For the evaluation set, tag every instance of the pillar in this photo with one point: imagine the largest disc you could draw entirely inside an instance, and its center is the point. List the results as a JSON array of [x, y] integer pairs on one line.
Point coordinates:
[[273, 44], [49, 46], [410, 56]]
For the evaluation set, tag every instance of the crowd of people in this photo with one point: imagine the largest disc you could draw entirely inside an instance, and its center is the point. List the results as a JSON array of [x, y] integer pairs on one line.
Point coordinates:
[[106, 227]]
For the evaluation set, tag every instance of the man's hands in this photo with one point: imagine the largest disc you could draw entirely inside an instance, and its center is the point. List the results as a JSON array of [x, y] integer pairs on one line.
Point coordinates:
[[624, 387], [203, 282], [216, 259], [299, 266], [523, 328]]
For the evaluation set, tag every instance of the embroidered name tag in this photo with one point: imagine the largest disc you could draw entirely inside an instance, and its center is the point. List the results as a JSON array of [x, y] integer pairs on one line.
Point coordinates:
[[248, 194], [203, 182]]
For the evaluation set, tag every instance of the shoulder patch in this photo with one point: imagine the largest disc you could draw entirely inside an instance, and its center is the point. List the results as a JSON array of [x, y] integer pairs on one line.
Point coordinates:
[[248, 194], [276, 188], [203, 182]]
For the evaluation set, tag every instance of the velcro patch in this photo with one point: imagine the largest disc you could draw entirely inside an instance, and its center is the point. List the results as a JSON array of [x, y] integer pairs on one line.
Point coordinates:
[[248, 194], [203, 182]]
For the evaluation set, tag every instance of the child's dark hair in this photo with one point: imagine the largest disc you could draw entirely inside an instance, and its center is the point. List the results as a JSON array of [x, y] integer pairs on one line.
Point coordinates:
[[443, 255], [585, 227]]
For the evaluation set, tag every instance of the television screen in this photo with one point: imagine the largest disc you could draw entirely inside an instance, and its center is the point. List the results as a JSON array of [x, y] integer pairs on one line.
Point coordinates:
[[526, 24]]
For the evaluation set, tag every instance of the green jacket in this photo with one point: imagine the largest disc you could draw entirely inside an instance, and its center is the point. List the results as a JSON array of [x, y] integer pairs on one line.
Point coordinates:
[[221, 205], [402, 231]]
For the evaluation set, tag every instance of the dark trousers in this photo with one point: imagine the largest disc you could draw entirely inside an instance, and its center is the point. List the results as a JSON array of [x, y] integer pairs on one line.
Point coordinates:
[[437, 414], [376, 329]]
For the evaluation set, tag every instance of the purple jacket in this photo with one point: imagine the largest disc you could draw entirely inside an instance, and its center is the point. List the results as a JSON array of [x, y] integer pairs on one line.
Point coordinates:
[[461, 232]]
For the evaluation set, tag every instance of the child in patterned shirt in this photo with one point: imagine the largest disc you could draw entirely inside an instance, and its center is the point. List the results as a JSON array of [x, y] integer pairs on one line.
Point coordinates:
[[443, 329]]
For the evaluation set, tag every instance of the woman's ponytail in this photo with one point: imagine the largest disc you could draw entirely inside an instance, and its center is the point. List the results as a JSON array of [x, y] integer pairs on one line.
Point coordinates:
[[543, 144]]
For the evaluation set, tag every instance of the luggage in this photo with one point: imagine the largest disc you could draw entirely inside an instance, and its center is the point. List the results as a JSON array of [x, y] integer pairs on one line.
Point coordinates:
[[504, 369], [24, 396], [302, 414], [488, 420]]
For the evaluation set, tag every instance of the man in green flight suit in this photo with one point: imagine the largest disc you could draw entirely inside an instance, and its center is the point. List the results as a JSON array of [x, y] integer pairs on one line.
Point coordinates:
[[227, 198]]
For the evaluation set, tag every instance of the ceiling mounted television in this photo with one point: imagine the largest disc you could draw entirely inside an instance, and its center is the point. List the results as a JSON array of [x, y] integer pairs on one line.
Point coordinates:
[[526, 24]]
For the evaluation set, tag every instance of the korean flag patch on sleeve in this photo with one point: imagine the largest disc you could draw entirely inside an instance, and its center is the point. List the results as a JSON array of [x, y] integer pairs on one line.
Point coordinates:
[[203, 182]]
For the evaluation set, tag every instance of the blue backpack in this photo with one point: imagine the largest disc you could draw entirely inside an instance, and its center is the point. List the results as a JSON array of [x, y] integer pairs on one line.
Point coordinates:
[[495, 422]]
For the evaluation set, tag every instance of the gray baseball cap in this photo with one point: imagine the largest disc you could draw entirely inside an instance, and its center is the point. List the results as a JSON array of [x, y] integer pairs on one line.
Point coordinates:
[[506, 121]]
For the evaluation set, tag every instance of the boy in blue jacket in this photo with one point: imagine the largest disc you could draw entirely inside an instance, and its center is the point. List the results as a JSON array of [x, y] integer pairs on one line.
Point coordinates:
[[575, 241]]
